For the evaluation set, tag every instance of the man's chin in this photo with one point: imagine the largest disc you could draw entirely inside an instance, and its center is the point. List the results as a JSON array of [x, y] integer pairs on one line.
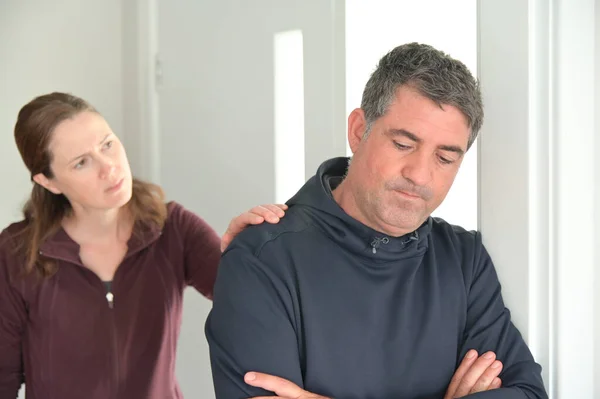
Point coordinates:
[[406, 224], [408, 210]]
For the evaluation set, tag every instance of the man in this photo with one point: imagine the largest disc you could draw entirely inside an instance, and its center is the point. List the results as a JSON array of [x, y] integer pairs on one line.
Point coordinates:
[[358, 292]]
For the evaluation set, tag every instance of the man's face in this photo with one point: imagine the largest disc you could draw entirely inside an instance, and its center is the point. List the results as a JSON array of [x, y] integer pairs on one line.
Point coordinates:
[[405, 167]]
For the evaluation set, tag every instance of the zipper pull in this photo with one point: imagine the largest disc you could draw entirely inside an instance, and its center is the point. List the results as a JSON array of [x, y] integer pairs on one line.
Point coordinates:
[[375, 244], [110, 298]]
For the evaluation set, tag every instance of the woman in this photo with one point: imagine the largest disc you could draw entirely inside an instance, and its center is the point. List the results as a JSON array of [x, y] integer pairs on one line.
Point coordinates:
[[91, 281]]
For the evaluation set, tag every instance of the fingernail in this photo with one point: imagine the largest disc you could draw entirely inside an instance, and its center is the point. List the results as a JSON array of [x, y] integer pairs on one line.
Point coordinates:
[[250, 377], [471, 354], [489, 355], [496, 364]]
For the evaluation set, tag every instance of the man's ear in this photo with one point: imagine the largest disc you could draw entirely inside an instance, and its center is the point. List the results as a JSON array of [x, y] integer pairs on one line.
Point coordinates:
[[43, 181], [357, 125]]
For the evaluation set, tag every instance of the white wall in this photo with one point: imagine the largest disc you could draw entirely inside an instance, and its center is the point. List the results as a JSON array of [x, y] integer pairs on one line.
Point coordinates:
[[505, 150], [140, 112], [66, 45], [451, 28], [574, 123], [537, 179], [597, 204]]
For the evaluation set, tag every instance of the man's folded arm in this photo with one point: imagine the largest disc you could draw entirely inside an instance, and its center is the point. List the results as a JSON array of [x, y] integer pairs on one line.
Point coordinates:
[[489, 328], [250, 327]]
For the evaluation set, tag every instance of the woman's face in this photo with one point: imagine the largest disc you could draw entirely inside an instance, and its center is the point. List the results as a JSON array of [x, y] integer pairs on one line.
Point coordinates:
[[89, 164]]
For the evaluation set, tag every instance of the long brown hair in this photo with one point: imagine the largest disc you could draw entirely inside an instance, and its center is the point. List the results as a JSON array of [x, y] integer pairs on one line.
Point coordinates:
[[44, 211]]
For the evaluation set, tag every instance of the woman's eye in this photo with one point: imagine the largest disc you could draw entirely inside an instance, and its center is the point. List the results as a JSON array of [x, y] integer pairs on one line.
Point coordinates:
[[108, 144], [80, 164]]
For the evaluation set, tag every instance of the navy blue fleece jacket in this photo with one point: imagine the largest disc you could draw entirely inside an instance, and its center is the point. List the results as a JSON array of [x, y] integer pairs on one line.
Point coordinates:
[[347, 312]]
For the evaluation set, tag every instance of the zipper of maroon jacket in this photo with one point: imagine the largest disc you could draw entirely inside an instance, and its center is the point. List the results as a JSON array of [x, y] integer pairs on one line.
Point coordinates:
[[113, 335], [110, 299]]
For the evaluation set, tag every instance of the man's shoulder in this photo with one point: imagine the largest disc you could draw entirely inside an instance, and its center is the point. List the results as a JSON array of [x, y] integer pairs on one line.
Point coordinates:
[[441, 227], [447, 236], [260, 253], [254, 238]]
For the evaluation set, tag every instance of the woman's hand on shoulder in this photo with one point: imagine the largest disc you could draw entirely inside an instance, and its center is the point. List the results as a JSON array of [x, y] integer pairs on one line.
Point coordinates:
[[259, 214]]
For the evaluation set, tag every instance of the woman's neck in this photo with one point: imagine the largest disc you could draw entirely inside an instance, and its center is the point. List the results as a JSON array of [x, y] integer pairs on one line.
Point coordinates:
[[99, 226]]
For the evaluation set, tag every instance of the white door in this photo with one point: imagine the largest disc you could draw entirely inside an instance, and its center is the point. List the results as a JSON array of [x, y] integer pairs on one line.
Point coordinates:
[[230, 93]]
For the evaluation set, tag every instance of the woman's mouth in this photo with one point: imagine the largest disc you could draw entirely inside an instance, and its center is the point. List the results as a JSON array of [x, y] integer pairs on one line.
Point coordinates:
[[116, 186]]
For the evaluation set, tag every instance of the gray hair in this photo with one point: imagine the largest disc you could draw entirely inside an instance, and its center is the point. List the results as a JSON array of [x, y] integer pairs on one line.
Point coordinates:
[[431, 72]]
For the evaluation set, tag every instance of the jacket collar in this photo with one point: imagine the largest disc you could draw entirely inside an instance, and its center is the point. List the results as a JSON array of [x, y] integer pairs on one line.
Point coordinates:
[[61, 246]]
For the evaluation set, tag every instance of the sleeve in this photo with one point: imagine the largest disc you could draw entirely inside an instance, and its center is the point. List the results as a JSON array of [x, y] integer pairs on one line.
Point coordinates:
[[489, 328], [202, 250], [250, 327], [12, 325]]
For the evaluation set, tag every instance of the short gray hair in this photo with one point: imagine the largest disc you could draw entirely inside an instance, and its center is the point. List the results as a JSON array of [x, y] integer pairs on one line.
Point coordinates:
[[433, 73]]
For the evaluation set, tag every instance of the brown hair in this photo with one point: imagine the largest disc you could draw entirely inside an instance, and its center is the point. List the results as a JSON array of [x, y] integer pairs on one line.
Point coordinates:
[[44, 211]]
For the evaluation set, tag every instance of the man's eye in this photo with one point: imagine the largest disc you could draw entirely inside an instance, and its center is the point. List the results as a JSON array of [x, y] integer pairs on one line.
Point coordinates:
[[108, 144], [401, 146], [446, 161], [80, 164]]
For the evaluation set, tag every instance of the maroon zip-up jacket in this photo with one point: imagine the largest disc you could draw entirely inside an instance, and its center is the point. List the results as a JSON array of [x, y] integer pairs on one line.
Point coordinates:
[[61, 338]]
